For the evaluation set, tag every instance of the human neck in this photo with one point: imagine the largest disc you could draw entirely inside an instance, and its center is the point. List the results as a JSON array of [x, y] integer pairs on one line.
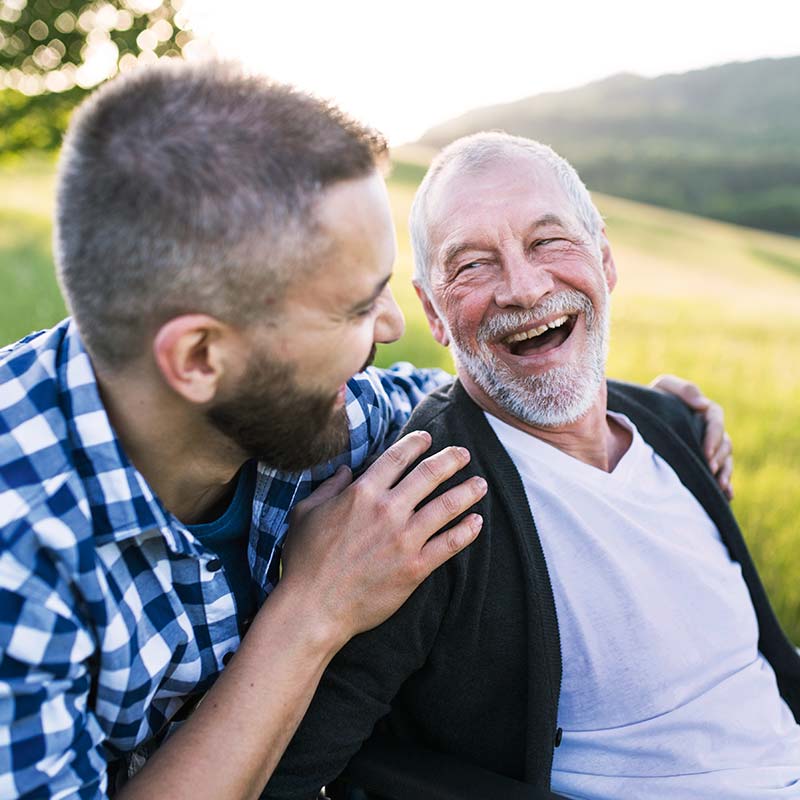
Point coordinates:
[[185, 461], [595, 438]]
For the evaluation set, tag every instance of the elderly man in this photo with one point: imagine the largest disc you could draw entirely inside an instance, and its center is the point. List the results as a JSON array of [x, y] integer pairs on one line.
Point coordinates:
[[607, 635]]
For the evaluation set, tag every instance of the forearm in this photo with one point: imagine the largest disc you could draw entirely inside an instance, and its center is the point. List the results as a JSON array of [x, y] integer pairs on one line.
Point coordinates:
[[232, 742]]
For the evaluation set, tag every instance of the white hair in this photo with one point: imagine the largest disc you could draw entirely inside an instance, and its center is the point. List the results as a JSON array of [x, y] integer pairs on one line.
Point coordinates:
[[475, 152]]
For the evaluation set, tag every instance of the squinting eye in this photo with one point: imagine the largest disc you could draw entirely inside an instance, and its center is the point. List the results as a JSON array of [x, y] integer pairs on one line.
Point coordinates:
[[365, 312]]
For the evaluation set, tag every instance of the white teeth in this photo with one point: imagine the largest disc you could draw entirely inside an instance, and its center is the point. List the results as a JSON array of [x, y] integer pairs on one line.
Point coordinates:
[[538, 331]]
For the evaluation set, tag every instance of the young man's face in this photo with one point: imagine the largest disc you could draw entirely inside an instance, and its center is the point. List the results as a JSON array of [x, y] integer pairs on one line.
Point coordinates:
[[288, 408]]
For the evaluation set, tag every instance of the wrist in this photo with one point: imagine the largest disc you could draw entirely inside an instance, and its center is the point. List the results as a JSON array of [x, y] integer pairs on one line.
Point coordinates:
[[306, 620]]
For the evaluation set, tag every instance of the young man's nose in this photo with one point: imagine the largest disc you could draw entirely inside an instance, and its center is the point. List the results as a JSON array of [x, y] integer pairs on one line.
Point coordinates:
[[390, 324]]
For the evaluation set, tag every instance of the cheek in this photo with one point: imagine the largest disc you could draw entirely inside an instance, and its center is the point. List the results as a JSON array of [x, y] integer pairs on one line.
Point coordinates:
[[464, 311]]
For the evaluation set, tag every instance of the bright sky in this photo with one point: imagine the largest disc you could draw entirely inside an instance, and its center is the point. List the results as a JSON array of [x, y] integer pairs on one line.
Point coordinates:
[[405, 66]]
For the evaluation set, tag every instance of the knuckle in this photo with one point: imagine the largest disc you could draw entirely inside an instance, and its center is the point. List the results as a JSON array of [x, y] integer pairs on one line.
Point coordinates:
[[362, 493], [383, 508], [418, 570], [429, 469], [453, 542], [450, 504], [395, 454]]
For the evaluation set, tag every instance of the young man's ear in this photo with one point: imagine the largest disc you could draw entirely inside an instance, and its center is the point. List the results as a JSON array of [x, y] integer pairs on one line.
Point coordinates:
[[192, 353], [435, 323], [609, 267]]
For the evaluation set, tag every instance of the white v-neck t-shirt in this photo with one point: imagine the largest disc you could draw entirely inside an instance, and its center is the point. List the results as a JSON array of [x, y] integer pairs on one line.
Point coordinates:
[[664, 692]]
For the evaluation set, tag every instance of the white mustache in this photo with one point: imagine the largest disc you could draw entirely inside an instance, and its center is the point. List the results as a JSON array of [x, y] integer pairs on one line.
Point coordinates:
[[568, 301]]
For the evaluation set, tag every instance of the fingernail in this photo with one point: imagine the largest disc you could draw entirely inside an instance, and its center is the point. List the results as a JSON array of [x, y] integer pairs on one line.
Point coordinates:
[[480, 483], [463, 452], [476, 522]]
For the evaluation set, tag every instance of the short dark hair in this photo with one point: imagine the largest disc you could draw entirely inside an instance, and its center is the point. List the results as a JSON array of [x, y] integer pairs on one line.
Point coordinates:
[[188, 188]]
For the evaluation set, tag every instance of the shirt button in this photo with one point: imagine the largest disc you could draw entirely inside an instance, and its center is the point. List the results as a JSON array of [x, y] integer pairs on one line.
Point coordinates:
[[559, 737], [226, 659], [214, 565]]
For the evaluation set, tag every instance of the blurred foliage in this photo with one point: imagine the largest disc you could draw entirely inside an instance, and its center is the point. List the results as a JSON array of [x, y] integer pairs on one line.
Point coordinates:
[[52, 52], [722, 142]]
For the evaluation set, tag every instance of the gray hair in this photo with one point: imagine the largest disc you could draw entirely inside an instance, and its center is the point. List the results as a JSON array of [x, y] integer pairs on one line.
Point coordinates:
[[192, 189], [475, 152]]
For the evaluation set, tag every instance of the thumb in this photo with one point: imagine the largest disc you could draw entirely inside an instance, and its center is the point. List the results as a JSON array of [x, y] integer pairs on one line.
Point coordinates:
[[330, 488]]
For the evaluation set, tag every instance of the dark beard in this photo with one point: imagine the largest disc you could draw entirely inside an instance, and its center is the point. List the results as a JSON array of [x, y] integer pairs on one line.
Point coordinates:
[[275, 422]]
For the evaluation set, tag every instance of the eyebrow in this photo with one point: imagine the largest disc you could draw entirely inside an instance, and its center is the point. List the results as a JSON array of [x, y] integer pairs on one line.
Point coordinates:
[[371, 299], [454, 250]]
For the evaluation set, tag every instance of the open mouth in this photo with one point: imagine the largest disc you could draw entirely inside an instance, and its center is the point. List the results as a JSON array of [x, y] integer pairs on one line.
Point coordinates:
[[541, 338]]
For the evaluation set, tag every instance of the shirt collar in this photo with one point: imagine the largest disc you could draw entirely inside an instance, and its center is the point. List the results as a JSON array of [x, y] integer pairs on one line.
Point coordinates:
[[122, 504]]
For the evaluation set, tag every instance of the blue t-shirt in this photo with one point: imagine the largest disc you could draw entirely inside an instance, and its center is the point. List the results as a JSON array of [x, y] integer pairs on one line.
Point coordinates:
[[227, 536]]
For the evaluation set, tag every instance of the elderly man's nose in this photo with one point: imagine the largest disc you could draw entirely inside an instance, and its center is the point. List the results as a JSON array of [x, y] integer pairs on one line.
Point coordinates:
[[522, 284]]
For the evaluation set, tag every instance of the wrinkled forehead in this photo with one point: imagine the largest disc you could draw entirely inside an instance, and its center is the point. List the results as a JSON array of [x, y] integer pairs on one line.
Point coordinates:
[[493, 199]]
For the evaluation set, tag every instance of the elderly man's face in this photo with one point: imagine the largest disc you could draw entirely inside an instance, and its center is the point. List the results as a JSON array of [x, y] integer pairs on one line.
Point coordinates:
[[520, 289]]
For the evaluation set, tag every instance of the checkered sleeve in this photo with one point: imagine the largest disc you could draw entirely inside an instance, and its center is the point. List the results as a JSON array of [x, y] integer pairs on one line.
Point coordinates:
[[379, 403], [50, 741]]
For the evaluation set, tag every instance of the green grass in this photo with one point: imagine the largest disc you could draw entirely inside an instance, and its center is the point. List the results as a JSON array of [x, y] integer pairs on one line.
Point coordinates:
[[29, 296], [709, 301]]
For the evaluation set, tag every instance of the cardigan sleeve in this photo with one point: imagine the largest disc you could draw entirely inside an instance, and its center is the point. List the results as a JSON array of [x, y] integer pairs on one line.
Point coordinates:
[[356, 691]]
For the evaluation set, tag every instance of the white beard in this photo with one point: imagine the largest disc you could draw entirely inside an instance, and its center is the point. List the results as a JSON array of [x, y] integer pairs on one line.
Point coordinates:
[[561, 395]]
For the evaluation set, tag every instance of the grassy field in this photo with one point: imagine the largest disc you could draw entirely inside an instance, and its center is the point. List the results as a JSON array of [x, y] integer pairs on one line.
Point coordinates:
[[712, 302]]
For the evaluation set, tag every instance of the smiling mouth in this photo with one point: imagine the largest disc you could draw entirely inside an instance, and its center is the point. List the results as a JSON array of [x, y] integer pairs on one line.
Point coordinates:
[[541, 338]]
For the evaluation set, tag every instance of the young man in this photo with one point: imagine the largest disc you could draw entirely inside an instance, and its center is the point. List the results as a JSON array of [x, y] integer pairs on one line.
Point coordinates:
[[225, 247]]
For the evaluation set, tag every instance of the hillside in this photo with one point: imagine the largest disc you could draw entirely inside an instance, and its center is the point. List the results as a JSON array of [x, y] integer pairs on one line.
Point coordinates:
[[722, 142]]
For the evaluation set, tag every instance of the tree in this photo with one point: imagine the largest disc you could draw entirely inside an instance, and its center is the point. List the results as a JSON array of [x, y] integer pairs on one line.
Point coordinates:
[[52, 52]]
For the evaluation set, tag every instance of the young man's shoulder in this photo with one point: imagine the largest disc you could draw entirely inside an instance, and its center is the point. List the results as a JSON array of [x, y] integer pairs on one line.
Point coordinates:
[[41, 496]]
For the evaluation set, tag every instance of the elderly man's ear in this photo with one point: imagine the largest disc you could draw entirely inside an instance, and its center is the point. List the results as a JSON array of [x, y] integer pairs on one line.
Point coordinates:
[[435, 323], [609, 267]]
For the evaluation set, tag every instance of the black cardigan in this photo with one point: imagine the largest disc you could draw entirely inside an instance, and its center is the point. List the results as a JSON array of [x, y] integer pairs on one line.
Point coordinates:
[[471, 664]]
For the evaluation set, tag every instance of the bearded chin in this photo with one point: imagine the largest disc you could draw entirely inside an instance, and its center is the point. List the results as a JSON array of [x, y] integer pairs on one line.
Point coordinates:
[[272, 420], [557, 397]]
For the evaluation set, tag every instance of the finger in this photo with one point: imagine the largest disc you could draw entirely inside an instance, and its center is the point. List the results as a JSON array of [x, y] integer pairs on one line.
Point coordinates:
[[688, 392], [433, 516], [328, 489], [724, 477], [429, 474], [387, 469], [446, 544], [721, 454], [715, 435]]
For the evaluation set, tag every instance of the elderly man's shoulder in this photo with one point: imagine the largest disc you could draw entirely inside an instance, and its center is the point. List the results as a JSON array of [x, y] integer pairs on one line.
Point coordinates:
[[654, 409], [452, 417], [446, 413]]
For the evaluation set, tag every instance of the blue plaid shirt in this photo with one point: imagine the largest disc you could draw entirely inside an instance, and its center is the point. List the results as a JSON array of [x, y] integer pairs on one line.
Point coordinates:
[[112, 615]]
